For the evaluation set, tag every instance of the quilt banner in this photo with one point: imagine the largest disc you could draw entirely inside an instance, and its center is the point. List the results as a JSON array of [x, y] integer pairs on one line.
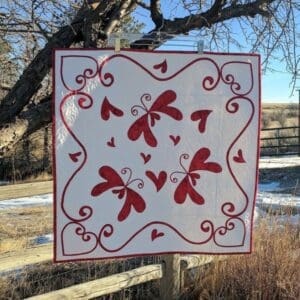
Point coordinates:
[[154, 152]]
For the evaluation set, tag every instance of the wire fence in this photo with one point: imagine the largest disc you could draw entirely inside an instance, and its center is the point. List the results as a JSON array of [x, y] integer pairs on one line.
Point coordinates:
[[46, 277]]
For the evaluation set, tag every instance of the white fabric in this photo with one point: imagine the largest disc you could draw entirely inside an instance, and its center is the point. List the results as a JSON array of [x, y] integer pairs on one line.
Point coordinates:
[[155, 152]]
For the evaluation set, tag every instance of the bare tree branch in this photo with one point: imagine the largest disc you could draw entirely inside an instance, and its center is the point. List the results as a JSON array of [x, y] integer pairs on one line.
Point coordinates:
[[20, 94], [156, 14]]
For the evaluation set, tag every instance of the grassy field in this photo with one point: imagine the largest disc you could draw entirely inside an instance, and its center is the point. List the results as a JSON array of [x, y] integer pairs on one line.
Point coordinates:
[[270, 272], [20, 225], [279, 115]]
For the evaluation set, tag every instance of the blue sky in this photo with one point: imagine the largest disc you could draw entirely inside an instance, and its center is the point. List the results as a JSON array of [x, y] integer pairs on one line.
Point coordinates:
[[276, 86]]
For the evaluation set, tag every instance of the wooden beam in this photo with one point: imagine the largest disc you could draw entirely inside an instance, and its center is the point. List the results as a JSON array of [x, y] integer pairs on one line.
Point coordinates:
[[17, 260], [105, 286], [25, 189], [193, 261], [171, 281]]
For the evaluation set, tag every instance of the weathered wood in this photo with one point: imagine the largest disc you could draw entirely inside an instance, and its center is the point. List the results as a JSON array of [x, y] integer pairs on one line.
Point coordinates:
[[193, 261], [107, 285], [25, 189], [171, 281], [18, 260]]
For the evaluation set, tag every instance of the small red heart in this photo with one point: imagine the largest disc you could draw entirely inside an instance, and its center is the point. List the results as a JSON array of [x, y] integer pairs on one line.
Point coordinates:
[[108, 108], [201, 115], [158, 181], [145, 157], [175, 139], [155, 234], [111, 143], [162, 66], [74, 156], [239, 157]]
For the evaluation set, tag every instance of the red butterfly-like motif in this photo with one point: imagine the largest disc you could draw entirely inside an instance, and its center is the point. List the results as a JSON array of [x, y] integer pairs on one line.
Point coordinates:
[[117, 186], [160, 105], [186, 186]]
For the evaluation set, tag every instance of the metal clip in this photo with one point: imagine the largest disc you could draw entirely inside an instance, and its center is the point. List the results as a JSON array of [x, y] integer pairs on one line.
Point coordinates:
[[118, 43], [200, 46]]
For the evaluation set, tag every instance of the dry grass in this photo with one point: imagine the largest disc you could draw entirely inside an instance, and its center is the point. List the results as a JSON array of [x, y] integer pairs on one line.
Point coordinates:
[[279, 115], [19, 225], [270, 272], [49, 277]]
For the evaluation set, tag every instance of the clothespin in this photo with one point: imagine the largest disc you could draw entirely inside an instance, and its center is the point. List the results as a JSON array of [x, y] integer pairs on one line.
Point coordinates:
[[200, 46], [118, 43]]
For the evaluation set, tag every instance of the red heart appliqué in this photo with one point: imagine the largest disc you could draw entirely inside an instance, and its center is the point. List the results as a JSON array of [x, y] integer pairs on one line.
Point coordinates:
[[145, 157], [155, 234], [239, 158], [201, 115], [111, 143], [162, 66], [175, 139], [74, 156], [108, 108], [158, 181]]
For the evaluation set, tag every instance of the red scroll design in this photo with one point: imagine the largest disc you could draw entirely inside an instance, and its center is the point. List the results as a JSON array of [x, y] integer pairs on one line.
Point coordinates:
[[85, 101], [85, 240], [232, 106], [208, 83], [228, 208], [231, 225], [80, 81], [108, 230], [230, 79]]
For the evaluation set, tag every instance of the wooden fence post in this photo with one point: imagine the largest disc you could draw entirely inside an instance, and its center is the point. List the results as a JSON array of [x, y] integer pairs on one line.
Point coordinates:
[[170, 282]]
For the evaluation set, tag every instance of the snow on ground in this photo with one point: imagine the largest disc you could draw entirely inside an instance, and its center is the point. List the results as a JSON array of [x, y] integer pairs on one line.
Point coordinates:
[[43, 239], [3, 182], [38, 200], [279, 162], [269, 187]]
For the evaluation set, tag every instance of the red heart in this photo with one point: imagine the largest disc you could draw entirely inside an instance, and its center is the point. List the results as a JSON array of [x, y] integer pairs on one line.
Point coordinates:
[[74, 156], [155, 234], [162, 66], [108, 108], [239, 158], [145, 157], [158, 181], [201, 115], [175, 139], [111, 143]]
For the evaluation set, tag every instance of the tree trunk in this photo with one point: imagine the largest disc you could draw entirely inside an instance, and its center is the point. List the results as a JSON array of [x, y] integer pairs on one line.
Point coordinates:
[[16, 123]]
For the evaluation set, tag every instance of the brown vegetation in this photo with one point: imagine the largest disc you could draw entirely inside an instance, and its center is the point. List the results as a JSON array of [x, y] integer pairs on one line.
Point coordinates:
[[270, 272], [279, 115], [19, 226]]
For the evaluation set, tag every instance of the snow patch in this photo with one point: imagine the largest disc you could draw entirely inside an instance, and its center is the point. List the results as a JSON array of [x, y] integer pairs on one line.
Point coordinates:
[[269, 187], [279, 162], [43, 239], [39, 200]]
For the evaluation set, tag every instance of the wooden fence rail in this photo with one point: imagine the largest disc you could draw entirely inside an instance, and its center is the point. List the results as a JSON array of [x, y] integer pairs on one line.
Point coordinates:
[[280, 141], [107, 285], [118, 282]]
